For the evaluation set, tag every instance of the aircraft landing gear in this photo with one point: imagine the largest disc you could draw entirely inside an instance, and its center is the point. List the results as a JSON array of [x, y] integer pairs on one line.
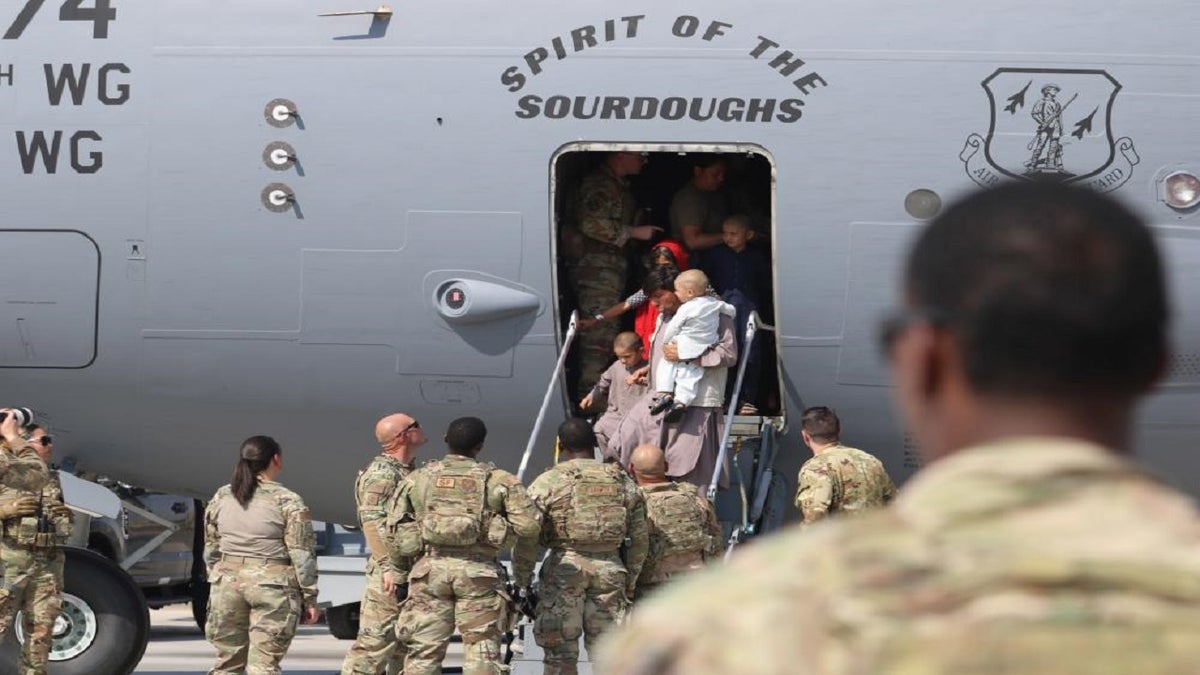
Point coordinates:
[[104, 624], [343, 621]]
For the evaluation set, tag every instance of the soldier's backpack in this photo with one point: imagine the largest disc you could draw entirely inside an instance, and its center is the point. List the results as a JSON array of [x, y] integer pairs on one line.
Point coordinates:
[[455, 504], [678, 520], [597, 514]]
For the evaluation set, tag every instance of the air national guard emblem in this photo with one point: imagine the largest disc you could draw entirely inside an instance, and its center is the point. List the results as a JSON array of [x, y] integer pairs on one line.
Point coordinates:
[[1050, 124]]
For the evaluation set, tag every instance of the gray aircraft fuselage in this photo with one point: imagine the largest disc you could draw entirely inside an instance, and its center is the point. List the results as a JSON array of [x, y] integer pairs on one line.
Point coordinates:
[[232, 218]]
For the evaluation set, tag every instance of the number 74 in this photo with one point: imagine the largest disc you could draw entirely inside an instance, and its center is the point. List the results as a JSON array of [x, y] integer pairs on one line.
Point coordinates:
[[71, 10]]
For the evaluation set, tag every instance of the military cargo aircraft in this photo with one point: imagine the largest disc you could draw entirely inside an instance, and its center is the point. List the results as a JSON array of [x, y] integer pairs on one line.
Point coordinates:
[[223, 219]]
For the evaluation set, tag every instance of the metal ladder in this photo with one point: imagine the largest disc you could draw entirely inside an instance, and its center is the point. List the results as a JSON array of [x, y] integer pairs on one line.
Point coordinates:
[[758, 436]]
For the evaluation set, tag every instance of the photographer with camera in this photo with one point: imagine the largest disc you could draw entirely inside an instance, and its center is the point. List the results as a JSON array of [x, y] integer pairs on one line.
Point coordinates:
[[20, 466], [33, 558], [34, 524]]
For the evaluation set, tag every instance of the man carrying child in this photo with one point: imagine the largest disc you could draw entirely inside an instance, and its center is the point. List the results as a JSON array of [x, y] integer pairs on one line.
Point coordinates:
[[693, 329]]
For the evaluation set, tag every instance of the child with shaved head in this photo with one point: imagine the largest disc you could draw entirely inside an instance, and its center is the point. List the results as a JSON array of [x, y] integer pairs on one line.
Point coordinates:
[[693, 329], [742, 275], [616, 385]]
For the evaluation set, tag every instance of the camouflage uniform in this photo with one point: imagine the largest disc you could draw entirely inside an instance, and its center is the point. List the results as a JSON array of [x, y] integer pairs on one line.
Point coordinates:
[[22, 468], [604, 211], [1024, 556], [262, 565], [683, 532], [588, 511], [31, 552], [842, 480], [376, 649], [456, 585]]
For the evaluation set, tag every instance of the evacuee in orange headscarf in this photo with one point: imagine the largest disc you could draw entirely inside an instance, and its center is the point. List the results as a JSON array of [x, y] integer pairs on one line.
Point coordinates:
[[667, 252]]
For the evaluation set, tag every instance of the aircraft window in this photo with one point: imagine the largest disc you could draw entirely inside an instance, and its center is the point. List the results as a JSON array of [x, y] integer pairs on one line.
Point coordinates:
[[668, 182]]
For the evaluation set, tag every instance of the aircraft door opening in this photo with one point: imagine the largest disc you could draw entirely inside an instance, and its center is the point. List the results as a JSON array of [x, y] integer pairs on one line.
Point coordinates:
[[714, 207]]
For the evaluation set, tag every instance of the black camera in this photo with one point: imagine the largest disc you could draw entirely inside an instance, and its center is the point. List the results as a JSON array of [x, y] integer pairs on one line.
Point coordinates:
[[24, 416]]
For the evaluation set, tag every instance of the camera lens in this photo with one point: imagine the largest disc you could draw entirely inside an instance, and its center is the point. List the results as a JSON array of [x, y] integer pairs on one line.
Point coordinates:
[[24, 416]]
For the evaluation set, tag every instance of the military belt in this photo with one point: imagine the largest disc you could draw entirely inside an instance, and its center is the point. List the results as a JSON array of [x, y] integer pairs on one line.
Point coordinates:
[[476, 553], [684, 557], [589, 549], [251, 560]]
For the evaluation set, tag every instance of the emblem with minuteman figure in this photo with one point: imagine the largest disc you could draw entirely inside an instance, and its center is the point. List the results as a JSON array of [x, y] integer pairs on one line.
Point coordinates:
[[1050, 124]]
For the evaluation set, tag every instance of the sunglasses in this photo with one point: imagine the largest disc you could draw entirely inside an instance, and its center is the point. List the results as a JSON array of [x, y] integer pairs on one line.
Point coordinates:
[[894, 324], [415, 425], [44, 440]]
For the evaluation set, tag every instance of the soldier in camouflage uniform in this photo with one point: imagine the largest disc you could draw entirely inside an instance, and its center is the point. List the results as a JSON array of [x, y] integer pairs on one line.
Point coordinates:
[[1036, 318], [838, 479], [457, 514], [21, 465], [604, 215], [681, 525], [588, 511], [259, 548], [36, 525], [376, 650]]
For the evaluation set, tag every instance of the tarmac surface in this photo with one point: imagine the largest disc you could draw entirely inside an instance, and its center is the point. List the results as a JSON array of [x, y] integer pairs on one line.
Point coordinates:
[[177, 646]]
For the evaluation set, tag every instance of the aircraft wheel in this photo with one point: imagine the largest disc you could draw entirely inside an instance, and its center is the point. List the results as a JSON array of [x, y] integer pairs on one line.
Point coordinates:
[[343, 621], [200, 585], [103, 626]]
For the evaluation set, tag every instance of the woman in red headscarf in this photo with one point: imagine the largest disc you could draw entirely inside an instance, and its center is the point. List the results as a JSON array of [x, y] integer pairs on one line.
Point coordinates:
[[667, 252]]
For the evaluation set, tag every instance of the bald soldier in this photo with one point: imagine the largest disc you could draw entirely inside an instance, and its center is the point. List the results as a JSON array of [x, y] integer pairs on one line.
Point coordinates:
[[681, 526], [1034, 319], [838, 479], [376, 650]]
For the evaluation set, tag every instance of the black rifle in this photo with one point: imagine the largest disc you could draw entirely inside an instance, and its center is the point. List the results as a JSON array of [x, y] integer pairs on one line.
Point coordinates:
[[43, 521], [524, 600]]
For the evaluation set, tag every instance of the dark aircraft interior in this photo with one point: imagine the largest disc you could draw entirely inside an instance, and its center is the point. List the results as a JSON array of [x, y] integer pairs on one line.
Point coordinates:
[[747, 190]]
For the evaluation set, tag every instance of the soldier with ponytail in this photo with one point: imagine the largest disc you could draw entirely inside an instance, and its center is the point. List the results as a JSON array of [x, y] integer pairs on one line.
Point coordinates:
[[259, 550]]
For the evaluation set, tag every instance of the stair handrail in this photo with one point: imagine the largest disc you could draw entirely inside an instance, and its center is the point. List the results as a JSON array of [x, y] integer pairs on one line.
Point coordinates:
[[753, 325], [572, 325]]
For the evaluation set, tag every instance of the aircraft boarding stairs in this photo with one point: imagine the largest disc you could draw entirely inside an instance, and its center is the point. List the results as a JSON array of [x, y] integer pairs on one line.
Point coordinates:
[[755, 502]]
